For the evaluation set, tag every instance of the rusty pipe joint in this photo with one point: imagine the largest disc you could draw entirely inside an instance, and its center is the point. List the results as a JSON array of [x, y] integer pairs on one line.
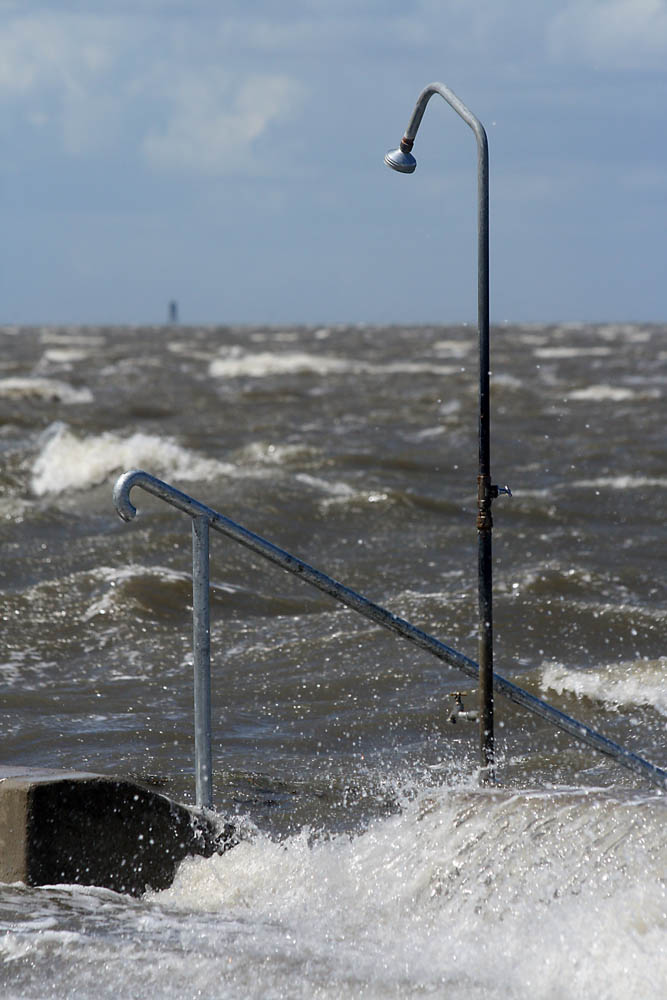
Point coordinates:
[[485, 496]]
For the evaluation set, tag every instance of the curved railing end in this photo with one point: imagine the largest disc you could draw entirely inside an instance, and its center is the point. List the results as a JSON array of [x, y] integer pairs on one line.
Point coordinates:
[[121, 493]]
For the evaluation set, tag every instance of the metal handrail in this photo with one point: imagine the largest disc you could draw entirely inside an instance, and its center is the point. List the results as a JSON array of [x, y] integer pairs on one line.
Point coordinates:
[[204, 517]]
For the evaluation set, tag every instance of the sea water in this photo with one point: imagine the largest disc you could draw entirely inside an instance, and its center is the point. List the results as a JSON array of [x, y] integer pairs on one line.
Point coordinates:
[[371, 863]]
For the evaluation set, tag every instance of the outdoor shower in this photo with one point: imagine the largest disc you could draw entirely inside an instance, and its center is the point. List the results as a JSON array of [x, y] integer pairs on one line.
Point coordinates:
[[403, 161]]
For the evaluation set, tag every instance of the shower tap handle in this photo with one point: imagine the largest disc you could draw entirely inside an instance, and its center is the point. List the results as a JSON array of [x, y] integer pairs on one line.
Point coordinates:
[[497, 490]]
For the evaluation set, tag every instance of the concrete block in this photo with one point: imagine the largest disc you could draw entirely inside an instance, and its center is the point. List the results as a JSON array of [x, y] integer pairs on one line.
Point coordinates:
[[88, 829]]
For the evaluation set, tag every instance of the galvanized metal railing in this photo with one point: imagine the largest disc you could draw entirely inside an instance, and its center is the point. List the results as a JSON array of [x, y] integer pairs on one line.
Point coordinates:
[[204, 518]]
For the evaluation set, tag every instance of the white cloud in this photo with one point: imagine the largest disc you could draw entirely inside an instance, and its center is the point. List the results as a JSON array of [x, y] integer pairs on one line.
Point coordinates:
[[192, 86], [53, 51], [614, 34], [56, 70], [101, 80], [213, 119]]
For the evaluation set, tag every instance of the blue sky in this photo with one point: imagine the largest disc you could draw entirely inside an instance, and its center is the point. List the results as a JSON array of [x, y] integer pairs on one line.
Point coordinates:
[[229, 155]]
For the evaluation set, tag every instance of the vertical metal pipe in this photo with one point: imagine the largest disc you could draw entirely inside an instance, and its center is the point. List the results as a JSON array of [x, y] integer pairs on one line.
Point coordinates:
[[201, 645], [484, 488]]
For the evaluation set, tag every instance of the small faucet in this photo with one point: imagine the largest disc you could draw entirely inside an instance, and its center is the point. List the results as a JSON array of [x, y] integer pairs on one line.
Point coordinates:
[[497, 490], [460, 711]]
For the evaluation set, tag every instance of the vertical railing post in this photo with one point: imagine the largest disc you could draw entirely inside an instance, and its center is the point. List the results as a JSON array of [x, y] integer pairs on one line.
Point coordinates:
[[485, 491], [201, 646]]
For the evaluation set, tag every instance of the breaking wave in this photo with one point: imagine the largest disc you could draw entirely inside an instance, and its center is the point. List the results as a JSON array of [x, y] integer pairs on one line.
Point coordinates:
[[618, 685], [611, 394], [66, 461], [466, 894], [44, 388], [265, 363]]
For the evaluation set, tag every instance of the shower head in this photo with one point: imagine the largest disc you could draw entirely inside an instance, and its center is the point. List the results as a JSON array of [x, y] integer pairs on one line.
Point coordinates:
[[401, 159]]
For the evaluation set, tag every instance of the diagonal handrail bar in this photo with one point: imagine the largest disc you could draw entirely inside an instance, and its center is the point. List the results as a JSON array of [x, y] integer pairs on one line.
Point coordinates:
[[381, 616]]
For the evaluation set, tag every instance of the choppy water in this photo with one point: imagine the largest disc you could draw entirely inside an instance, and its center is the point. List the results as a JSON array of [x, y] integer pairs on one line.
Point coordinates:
[[373, 865]]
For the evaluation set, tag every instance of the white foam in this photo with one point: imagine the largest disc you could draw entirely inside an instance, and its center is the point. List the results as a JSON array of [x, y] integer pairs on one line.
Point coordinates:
[[464, 894], [454, 348], [410, 368], [623, 331], [64, 355], [554, 353], [533, 339], [266, 363], [611, 393], [13, 668], [507, 380], [428, 433], [337, 492], [618, 685], [72, 338], [621, 482], [13, 948], [67, 462], [336, 489], [44, 388], [263, 453], [625, 482], [14, 508], [189, 349]]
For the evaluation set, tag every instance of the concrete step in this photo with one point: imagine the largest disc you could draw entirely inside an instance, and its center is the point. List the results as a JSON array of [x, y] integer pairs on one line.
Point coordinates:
[[90, 829]]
